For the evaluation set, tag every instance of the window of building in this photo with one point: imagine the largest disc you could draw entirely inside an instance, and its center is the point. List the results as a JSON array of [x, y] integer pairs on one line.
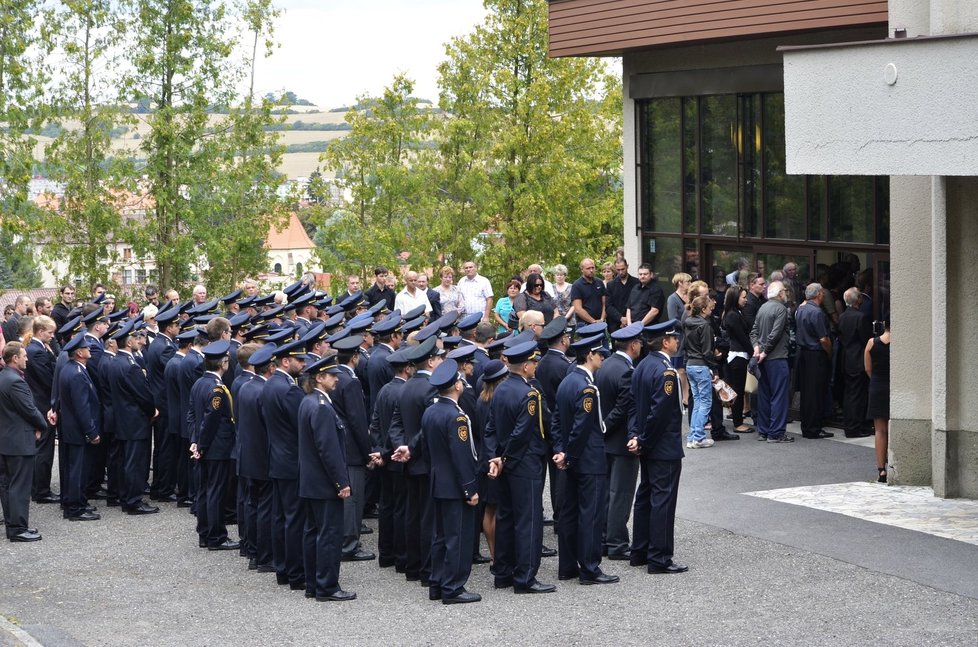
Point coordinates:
[[140, 276], [127, 254], [127, 277], [277, 268]]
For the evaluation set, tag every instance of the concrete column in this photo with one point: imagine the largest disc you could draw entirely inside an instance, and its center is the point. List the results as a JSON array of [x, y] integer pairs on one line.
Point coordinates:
[[632, 236]]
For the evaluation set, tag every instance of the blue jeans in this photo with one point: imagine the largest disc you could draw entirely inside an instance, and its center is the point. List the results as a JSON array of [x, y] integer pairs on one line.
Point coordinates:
[[701, 387]]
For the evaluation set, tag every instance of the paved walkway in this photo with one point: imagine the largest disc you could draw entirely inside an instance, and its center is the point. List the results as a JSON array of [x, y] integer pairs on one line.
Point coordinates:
[[772, 562]]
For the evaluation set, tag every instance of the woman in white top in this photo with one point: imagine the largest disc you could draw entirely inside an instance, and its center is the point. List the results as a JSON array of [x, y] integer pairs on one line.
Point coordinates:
[[449, 294]]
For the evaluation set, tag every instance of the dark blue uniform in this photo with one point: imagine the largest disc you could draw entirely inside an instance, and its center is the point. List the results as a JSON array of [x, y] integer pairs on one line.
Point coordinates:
[[614, 382], [107, 455], [171, 382], [351, 407], [133, 409], [238, 488], [253, 468], [190, 369], [577, 430], [452, 455], [322, 474], [281, 398], [165, 450], [658, 427], [417, 394], [516, 421], [553, 367], [391, 547], [81, 422], [39, 376], [379, 373], [212, 428]]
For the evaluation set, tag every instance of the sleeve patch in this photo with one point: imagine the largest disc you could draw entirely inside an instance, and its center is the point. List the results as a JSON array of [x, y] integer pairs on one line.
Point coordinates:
[[463, 433], [216, 403], [668, 386], [531, 407], [588, 404]]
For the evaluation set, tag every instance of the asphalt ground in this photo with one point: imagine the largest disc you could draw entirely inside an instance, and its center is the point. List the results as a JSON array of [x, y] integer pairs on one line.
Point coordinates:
[[761, 573]]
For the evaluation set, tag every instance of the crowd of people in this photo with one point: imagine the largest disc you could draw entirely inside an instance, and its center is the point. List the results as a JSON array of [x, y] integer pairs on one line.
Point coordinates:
[[441, 411]]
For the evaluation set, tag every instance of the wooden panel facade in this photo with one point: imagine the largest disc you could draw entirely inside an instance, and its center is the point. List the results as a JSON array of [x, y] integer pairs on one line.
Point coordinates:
[[593, 27]]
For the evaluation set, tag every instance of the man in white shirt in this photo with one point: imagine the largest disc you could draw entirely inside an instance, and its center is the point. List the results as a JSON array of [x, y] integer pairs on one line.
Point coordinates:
[[476, 291], [411, 297]]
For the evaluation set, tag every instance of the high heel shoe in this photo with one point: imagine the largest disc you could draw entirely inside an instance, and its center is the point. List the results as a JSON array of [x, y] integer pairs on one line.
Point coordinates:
[[882, 475]]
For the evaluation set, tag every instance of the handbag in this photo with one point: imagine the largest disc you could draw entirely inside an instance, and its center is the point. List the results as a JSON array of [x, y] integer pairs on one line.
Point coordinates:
[[726, 394], [750, 385]]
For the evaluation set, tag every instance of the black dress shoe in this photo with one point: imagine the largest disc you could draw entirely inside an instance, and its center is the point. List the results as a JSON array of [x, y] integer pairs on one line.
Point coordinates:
[[338, 596], [568, 576], [723, 434], [462, 598], [252, 564], [171, 498], [548, 522], [502, 582], [310, 594], [858, 434], [113, 503], [386, 562], [371, 512], [227, 544], [412, 577], [638, 561], [265, 568], [143, 508], [298, 586], [434, 593], [536, 587], [366, 530], [184, 503], [601, 578], [359, 556], [201, 543], [48, 498], [85, 516], [28, 535], [282, 579], [480, 559], [99, 494], [546, 551], [619, 557], [671, 569]]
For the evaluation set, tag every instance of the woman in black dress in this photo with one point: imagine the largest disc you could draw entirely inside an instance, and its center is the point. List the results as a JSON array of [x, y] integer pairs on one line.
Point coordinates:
[[740, 351], [489, 488], [876, 359]]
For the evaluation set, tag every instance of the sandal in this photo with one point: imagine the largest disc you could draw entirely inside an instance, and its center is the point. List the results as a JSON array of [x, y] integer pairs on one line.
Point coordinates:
[[744, 429], [882, 475]]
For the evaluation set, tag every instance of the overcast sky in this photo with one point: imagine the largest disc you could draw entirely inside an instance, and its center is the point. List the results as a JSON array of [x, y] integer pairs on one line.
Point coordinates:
[[331, 51]]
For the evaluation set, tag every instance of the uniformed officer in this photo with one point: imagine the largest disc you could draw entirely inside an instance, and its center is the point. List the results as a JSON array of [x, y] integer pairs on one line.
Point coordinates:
[[656, 435], [211, 442], [134, 410], [516, 419], [280, 409], [350, 405], [453, 458], [467, 326], [191, 368], [323, 482], [241, 494], [174, 457], [408, 441], [387, 339], [553, 366], [165, 450], [578, 432], [253, 459], [81, 424], [614, 382], [393, 490]]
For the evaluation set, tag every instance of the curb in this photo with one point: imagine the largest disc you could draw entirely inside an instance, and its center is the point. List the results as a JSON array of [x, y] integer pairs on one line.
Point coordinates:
[[21, 637]]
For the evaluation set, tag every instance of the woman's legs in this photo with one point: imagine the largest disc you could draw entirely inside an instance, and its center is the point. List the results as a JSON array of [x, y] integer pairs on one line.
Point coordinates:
[[882, 427], [702, 396]]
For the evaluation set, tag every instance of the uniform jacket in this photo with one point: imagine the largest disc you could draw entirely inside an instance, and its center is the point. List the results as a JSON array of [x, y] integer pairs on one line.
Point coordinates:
[[658, 418], [417, 394], [191, 368], [243, 378], [157, 355], [451, 450], [577, 424], [614, 381], [350, 406], [280, 401], [379, 373], [322, 456], [380, 422], [104, 389], [132, 403], [40, 373], [516, 421], [19, 416], [171, 383], [252, 434], [212, 418], [81, 411]]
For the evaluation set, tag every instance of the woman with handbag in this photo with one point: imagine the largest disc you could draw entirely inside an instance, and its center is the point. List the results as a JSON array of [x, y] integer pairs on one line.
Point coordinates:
[[740, 352]]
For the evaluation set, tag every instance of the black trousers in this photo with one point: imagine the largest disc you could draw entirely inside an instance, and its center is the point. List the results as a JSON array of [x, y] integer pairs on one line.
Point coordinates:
[[135, 462], [210, 501], [579, 527], [16, 476], [620, 488], [391, 538], [737, 378], [159, 441], [186, 485], [451, 546], [325, 528], [100, 460], [78, 459], [653, 534], [519, 529], [855, 402], [258, 518], [240, 494], [43, 463], [558, 481], [418, 522], [813, 380], [166, 455], [288, 525]]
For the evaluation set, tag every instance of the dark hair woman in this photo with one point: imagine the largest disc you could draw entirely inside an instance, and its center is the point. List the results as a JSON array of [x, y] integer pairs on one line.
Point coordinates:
[[494, 373], [534, 298], [876, 359], [738, 334]]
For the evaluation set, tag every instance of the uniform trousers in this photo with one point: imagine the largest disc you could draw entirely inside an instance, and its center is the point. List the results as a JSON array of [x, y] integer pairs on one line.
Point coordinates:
[[135, 461], [557, 484], [160, 435], [772, 398], [324, 537], [166, 458], [418, 522], [186, 482], [16, 476], [451, 553], [77, 460], [288, 525], [210, 501], [99, 462], [620, 484], [390, 523], [579, 527], [258, 518], [813, 376], [353, 508], [43, 463], [242, 488], [653, 541], [519, 529]]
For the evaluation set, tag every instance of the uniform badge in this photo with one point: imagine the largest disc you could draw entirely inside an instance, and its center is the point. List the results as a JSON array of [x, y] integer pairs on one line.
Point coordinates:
[[463, 433], [668, 387], [588, 404], [531, 407], [216, 402]]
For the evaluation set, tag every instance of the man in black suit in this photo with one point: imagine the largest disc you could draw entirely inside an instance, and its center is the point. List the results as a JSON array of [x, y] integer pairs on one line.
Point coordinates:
[[81, 429], [552, 368], [39, 374], [159, 353], [190, 369], [614, 381], [21, 425], [855, 330]]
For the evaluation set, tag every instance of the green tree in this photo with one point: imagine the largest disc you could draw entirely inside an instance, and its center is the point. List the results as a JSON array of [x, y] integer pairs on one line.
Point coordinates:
[[533, 144], [84, 222]]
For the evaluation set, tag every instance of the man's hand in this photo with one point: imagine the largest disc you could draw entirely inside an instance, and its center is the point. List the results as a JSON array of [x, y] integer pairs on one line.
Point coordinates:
[[495, 467], [345, 492], [473, 500], [37, 434], [95, 441], [560, 460], [632, 446], [194, 451], [376, 460], [52, 417], [402, 454]]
